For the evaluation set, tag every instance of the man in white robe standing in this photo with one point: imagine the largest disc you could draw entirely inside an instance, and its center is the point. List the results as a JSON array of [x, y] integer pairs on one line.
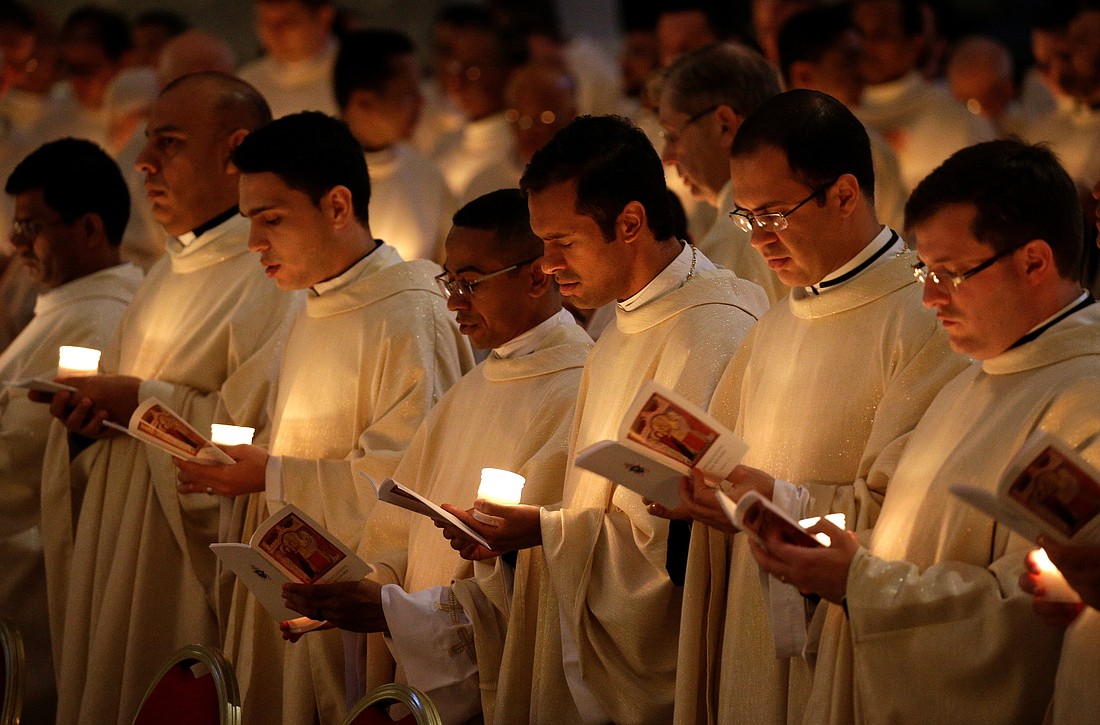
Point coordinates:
[[377, 85], [513, 412], [825, 391], [71, 206], [611, 574], [705, 95], [369, 355], [130, 577], [930, 621]]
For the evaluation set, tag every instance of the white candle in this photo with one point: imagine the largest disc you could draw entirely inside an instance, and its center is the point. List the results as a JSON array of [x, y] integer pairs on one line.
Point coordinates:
[[77, 361], [500, 487], [1056, 587], [231, 435], [837, 520]]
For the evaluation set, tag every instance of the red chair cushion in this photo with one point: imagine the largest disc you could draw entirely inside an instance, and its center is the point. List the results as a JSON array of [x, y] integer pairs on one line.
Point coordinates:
[[180, 698]]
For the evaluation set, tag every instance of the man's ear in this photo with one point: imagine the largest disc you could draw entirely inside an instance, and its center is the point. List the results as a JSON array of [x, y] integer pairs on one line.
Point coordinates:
[[730, 121], [847, 193], [337, 204], [231, 145], [93, 230], [541, 283], [631, 222], [1038, 262]]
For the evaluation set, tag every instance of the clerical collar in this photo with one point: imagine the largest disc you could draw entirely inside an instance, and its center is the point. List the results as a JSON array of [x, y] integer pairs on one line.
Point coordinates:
[[687, 264], [188, 237], [527, 342], [353, 271], [882, 94], [1081, 302], [874, 254]]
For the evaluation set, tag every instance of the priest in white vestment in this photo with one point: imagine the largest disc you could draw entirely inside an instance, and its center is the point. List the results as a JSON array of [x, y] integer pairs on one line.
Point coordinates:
[[369, 355], [825, 391], [512, 412], [130, 577], [929, 617], [376, 81], [71, 205], [705, 95], [295, 74], [607, 583]]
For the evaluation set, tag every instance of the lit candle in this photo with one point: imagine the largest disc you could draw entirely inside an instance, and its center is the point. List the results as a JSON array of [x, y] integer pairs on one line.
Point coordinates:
[[77, 361], [837, 520], [1056, 587], [499, 487], [231, 435]]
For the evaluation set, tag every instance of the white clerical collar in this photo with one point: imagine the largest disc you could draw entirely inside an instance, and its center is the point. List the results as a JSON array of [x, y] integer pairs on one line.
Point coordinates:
[[187, 238], [890, 91], [886, 245], [529, 341], [348, 274], [1081, 301], [689, 262]]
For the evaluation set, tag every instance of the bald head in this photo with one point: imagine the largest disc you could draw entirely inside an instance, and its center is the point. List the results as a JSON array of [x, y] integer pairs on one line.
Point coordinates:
[[233, 102], [192, 52], [980, 75], [540, 99]]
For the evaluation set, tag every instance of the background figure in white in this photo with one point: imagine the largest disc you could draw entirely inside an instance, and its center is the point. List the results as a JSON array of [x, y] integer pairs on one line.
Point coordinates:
[[440, 118], [980, 75], [71, 206], [1041, 89], [295, 73], [921, 122], [377, 88]]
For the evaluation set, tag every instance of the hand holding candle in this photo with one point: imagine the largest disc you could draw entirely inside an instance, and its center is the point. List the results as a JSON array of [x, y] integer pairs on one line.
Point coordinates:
[[231, 435], [1055, 586], [77, 361], [500, 487]]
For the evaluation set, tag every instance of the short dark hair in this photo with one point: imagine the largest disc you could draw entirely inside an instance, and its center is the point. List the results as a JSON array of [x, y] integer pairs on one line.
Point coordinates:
[[16, 15], [172, 23], [310, 152], [613, 164], [1020, 191], [505, 213], [365, 61], [819, 135], [809, 34], [76, 177], [106, 28], [910, 15], [720, 73]]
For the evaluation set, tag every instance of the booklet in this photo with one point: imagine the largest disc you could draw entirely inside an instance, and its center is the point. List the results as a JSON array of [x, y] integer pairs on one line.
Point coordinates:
[[40, 384], [393, 492], [757, 516], [155, 423], [662, 438], [1047, 489], [290, 547]]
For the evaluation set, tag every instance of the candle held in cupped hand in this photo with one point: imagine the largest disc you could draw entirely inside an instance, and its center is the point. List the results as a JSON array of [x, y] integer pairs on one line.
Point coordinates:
[[1054, 584], [231, 435], [500, 487], [77, 361]]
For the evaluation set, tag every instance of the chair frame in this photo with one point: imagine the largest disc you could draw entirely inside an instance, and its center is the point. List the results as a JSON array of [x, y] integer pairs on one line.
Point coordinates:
[[422, 707], [229, 694], [15, 672]]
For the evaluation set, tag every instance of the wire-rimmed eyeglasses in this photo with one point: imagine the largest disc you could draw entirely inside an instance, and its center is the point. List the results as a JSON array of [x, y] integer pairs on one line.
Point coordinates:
[[939, 277], [466, 287], [773, 221]]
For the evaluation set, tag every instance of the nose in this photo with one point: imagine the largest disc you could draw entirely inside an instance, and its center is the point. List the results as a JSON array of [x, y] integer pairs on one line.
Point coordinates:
[[934, 296], [257, 242], [761, 237], [144, 162], [552, 261], [457, 302], [668, 153]]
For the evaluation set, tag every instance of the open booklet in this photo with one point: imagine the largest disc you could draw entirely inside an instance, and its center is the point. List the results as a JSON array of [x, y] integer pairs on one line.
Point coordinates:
[[393, 492], [42, 385], [287, 547], [1047, 489], [757, 516], [155, 423], [663, 437]]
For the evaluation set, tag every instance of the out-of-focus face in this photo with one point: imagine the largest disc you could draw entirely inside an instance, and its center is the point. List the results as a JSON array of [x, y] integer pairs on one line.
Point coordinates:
[[43, 241], [638, 60], [475, 73], [981, 316], [498, 309], [798, 254], [768, 17], [1081, 74], [840, 71], [378, 120], [1051, 53], [693, 145], [887, 53], [539, 103], [291, 234], [149, 40], [290, 31], [680, 31], [590, 270], [88, 70], [185, 156]]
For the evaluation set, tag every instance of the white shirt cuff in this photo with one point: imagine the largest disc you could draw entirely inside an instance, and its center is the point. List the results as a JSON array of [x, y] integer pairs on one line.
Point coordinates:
[[273, 481]]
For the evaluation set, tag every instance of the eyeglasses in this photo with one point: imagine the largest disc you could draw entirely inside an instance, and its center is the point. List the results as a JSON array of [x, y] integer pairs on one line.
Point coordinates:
[[674, 135], [923, 273], [773, 221], [466, 287], [31, 228]]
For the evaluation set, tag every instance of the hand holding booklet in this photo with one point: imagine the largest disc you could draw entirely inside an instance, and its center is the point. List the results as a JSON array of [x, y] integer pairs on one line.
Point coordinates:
[[155, 423], [393, 492], [661, 439], [289, 546], [758, 517], [1047, 489]]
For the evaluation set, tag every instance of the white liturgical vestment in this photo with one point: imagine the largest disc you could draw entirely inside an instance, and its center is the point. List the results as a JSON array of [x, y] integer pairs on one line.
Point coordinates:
[[410, 204], [825, 391], [605, 599], [82, 312], [1073, 133], [304, 85], [480, 146], [936, 623], [130, 574], [366, 359]]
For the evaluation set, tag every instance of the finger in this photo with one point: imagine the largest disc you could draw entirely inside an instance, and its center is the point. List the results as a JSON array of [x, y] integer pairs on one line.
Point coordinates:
[[59, 404], [93, 428]]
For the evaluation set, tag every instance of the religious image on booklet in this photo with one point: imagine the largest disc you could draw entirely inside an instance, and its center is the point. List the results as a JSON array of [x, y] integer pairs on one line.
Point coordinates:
[[155, 423], [757, 516], [289, 546], [662, 438], [1047, 489]]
